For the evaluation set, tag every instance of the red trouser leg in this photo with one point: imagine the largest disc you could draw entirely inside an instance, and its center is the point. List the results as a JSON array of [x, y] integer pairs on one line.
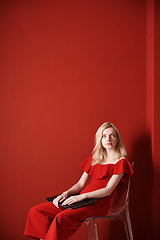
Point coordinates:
[[64, 222], [68, 221], [39, 219], [62, 227]]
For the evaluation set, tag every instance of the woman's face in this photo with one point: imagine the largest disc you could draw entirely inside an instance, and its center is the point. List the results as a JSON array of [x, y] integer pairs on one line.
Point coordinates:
[[109, 138]]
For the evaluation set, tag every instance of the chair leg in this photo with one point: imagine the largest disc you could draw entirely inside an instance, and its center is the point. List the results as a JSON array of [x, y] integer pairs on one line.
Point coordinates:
[[92, 230], [127, 223], [96, 231]]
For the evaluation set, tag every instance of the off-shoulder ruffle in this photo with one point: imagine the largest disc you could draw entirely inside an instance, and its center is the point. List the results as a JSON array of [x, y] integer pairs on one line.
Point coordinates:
[[124, 166], [86, 165], [107, 170]]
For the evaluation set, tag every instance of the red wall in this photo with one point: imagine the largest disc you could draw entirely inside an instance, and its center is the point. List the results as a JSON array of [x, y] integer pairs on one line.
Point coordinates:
[[66, 67]]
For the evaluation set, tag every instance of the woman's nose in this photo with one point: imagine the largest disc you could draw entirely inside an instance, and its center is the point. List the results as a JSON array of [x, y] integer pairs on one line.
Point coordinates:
[[108, 138]]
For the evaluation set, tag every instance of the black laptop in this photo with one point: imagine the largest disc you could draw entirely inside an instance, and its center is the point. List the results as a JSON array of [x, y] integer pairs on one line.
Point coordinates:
[[73, 205]]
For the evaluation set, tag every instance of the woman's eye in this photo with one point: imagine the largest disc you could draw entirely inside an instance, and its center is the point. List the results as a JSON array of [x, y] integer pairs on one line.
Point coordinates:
[[103, 136], [113, 135]]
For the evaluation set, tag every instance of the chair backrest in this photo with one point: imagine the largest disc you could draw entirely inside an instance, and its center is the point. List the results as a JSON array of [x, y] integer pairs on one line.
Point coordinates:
[[120, 198]]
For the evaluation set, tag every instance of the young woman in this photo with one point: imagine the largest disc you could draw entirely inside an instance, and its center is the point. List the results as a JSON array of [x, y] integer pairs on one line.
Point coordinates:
[[107, 167]]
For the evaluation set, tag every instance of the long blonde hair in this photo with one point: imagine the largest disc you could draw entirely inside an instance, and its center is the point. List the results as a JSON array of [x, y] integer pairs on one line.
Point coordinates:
[[99, 153]]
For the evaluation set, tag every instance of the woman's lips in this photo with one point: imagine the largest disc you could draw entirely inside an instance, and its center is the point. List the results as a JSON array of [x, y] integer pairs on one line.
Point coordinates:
[[109, 144]]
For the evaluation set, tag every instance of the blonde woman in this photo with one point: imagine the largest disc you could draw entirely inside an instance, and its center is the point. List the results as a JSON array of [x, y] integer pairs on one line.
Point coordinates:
[[107, 167]]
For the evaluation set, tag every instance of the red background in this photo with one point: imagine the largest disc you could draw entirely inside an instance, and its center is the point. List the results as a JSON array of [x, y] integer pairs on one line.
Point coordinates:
[[66, 67]]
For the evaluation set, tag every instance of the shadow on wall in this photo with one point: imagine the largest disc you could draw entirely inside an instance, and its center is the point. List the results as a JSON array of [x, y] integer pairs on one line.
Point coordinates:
[[142, 187], [155, 204], [140, 205]]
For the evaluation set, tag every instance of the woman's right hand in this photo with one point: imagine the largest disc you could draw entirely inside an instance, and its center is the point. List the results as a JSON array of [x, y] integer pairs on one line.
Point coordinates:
[[60, 198]]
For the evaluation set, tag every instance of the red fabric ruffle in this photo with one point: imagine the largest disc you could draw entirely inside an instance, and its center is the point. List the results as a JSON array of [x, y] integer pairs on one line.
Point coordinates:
[[99, 171]]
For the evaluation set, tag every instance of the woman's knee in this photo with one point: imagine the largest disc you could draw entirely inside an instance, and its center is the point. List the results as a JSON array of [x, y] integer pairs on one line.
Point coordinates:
[[34, 209]]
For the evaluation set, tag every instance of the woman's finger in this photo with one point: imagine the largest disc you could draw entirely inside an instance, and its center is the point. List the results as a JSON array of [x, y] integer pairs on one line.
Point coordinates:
[[63, 198], [69, 201]]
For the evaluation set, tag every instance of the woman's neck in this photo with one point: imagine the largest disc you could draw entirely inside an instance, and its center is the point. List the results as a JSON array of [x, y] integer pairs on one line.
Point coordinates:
[[111, 153], [111, 156]]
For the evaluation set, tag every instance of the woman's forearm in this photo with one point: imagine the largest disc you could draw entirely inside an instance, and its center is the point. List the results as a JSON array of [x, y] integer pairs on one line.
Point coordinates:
[[74, 189], [103, 192], [95, 194]]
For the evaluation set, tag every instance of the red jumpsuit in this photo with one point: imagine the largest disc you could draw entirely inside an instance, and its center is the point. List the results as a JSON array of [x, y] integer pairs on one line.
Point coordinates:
[[46, 221]]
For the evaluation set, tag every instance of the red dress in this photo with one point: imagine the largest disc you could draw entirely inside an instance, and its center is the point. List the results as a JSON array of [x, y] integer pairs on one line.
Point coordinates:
[[46, 221]]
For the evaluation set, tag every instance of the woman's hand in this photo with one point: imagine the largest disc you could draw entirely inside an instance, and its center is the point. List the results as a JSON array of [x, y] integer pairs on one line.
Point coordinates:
[[74, 199], [60, 198]]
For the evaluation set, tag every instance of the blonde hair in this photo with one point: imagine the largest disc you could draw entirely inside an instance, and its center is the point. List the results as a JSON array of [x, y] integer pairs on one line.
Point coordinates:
[[99, 153]]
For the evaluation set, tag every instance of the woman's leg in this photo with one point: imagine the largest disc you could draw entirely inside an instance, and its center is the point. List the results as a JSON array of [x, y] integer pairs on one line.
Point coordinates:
[[62, 227], [39, 220], [68, 221], [47, 222]]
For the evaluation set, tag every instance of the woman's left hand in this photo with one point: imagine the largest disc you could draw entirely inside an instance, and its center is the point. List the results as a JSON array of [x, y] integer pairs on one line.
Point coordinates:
[[74, 199]]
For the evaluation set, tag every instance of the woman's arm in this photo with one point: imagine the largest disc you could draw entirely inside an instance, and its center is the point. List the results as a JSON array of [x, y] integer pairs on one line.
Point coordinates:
[[103, 192], [74, 189], [79, 185]]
